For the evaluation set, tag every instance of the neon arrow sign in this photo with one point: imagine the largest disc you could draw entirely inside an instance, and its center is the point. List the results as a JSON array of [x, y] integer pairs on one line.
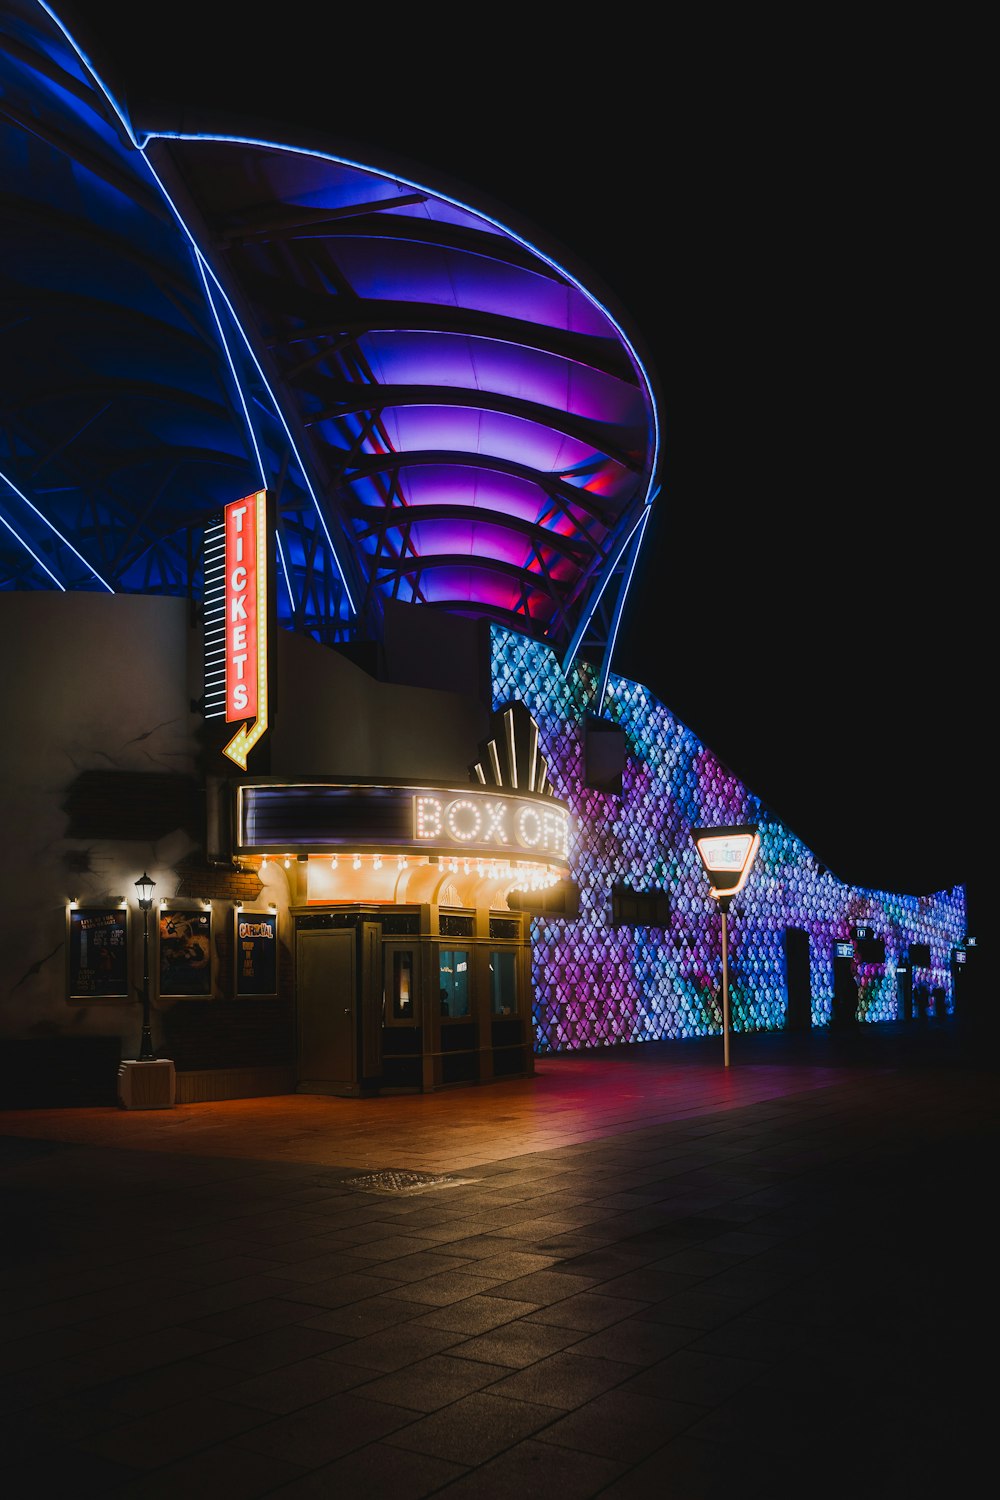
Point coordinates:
[[246, 641]]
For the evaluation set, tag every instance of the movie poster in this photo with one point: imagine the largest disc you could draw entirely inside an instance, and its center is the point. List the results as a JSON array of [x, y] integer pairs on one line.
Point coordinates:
[[98, 953], [256, 949], [186, 952]]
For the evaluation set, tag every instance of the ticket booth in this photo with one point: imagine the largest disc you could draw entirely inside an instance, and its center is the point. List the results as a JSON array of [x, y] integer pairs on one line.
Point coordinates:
[[411, 964], [410, 999]]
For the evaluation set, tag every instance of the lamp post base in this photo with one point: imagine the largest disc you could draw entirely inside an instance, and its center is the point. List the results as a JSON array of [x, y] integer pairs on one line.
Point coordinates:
[[147, 1085]]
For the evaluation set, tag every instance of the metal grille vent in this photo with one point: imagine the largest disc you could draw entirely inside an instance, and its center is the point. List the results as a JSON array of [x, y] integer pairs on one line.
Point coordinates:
[[391, 1180]]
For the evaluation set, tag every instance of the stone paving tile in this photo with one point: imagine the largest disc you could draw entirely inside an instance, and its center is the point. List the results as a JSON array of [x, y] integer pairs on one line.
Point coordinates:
[[587, 1311], [756, 1335], [608, 1261], [429, 1384], [129, 1357], [372, 1473], [634, 1341], [158, 1388], [698, 1307], [622, 1424], [748, 1284], [699, 1260], [689, 1468], [337, 1254], [250, 1318], [283, 1345], [422, 1264], [564, 1380], [212, 1272], [476, 1314], [449, 1286], [645, 1284], [154, 1439], [395, 1247], [288, 1387], [474, 1429], [63, 1468], [326, 1430], [692, 1375], [357, 1319], [335, 1291], [516, 1344], [392, 1348], [538, 1469], [222, 1470], [543, 1287], [315, 1268]]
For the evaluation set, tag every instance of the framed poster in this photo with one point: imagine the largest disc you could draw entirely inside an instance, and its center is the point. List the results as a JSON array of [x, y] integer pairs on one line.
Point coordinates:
[[185, 952], [97, 946], [255, 945]]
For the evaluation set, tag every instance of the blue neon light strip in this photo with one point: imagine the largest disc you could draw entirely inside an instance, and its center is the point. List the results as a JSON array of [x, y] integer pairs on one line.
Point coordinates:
[[606, 574], [636, 546], [249, 348], [55, 532]]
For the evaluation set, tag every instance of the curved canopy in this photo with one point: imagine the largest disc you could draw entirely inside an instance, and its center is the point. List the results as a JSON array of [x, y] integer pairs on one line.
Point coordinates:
[[444, 413]]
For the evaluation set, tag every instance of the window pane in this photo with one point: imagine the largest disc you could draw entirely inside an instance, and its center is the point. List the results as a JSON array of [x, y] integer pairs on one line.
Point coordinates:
[[402, 985], [454, 969], [503, 982]]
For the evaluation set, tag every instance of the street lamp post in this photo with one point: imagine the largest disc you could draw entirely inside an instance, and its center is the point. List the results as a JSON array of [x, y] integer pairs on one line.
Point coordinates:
[[724, 909], [144, 887], [727, 854]]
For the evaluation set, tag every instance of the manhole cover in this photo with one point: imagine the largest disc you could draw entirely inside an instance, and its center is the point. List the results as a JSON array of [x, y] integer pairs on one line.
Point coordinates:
[[390, 1180]]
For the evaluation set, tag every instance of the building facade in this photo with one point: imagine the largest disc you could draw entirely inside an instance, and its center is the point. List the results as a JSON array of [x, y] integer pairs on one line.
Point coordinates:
[[335, 952]]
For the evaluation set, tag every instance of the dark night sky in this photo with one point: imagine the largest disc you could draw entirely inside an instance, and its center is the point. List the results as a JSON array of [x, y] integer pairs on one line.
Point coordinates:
[[801, 249]]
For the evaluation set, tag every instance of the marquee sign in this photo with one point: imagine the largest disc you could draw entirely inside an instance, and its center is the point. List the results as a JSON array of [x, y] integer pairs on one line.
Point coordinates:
[[497, 823], [320, 816], [237, 591]]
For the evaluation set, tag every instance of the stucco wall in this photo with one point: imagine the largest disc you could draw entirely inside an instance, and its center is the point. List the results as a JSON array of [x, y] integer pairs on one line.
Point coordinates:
[[93, 682], [99, 683]]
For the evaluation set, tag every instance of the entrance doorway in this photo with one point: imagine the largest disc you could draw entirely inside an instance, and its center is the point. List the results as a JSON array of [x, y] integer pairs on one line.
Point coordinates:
[[798, 1011], [326, 992]]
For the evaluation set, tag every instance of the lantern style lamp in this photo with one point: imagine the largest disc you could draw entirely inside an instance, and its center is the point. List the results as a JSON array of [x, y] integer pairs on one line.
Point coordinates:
[[144, 889], [727, 855]]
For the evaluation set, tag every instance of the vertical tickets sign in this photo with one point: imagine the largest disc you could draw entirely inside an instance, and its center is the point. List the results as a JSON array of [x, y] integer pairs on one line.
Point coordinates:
[[242, 644], [236, 622]]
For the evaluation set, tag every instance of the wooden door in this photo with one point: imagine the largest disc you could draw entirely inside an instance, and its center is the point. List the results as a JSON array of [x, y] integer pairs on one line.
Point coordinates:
[[326, 997]]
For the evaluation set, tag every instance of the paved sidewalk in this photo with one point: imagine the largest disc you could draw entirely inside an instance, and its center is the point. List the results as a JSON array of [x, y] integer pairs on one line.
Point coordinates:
[[637, 1274]]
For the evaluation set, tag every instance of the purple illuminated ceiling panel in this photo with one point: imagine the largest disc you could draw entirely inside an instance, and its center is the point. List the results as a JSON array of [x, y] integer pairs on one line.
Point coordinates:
[[475, 282], [422, 428], [502, 369], [464, 585], [502, 494], [448, 537]]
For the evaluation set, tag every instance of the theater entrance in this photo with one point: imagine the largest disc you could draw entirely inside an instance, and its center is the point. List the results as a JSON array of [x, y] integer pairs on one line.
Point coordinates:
[[410, 999], [326, 1012]]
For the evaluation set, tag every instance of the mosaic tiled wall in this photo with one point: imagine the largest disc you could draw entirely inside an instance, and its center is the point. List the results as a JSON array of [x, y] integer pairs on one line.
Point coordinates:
[[595, 984]]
